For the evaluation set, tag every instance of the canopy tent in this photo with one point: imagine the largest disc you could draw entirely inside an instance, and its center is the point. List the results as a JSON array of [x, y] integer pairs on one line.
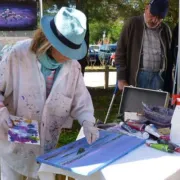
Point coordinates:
[[178, 59]]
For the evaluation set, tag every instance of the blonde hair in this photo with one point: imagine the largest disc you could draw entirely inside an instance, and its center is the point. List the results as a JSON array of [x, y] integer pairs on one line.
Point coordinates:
[[40, 44]]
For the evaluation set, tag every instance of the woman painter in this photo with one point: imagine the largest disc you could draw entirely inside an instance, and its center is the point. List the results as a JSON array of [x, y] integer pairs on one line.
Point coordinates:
[[41, 80]]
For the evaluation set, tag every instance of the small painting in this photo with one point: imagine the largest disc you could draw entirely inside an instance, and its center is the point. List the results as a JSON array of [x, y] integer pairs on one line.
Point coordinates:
[[24, 131], [18, 15]]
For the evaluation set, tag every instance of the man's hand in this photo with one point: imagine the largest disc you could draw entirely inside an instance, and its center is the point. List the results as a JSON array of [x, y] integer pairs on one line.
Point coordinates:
[[121, 84], [90, 131]]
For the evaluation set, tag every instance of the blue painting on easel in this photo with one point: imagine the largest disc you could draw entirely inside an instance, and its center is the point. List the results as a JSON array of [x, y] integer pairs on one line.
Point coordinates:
[[84, 159]]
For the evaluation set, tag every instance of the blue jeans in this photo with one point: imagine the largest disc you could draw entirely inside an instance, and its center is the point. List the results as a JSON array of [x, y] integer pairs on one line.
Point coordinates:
[[150, 80]]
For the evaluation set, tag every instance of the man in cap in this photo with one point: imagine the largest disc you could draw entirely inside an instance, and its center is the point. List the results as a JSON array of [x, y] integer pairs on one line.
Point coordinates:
[[143, 48]]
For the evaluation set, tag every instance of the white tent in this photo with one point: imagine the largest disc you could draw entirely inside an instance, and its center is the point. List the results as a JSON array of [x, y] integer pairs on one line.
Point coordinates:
[[178, 59]]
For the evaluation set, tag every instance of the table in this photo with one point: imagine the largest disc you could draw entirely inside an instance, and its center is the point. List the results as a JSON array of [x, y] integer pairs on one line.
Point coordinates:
[[144, 163]]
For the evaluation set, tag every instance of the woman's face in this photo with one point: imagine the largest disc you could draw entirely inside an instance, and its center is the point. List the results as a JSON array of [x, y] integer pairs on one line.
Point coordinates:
[[58, 56], [151, 21]]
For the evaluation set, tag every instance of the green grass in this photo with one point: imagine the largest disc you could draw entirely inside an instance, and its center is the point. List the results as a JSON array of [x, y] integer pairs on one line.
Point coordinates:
[[101, 100]]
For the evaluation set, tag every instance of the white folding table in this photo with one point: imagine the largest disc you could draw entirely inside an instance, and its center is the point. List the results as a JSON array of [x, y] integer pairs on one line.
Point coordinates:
[[143, 163]]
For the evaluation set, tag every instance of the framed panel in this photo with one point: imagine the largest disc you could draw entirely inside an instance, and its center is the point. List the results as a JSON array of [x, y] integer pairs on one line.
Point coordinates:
[[18, 15]]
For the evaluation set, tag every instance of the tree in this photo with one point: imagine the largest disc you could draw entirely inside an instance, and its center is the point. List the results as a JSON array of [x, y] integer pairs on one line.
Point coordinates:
[[104, 14], [112, 31]]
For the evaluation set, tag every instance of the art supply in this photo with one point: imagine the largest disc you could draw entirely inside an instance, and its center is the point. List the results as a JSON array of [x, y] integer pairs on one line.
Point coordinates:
[[127, 128], [152, 130], [132, 132], [24, 131], [175, 147], [137, 126], [161, 147], [177, 150], [164, 131], [85, 159], [171, 145], [145, 135], [150, 141], [165, 137], [138, 134], [105, 126]]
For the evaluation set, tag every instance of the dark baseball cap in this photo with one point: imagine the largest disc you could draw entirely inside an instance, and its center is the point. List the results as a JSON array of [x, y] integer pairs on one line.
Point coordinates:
[[159, 8]]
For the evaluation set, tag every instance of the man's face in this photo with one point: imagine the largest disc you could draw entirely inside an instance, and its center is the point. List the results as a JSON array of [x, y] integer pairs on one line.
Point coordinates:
[[151, 21]]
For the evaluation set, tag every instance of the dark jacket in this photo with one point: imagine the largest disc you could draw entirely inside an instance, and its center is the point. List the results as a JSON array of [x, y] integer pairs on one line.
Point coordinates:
[[129, 48], [174, 44], [174, 52]]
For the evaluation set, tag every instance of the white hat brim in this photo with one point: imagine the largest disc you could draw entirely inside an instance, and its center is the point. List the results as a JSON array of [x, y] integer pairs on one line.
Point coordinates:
[[58, 45]]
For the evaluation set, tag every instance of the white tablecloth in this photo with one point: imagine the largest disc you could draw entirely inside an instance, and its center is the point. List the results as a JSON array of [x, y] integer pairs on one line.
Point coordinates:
[[144, 163]]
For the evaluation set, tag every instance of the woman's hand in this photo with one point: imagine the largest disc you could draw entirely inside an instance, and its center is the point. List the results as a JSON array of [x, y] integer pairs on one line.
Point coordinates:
[[5, 121], [90, 131]]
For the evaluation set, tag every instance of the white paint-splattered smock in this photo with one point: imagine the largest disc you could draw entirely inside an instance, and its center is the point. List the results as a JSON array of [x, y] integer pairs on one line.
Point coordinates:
[[22, 88]]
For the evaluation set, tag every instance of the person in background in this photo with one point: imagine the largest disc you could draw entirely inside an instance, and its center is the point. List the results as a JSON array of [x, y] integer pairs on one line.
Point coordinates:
[[142, 55], [174, 52], [42, 80], [174, 44]]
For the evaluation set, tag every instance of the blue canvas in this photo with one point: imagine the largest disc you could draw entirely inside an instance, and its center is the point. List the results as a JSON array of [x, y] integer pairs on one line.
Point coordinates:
[[108, 148]]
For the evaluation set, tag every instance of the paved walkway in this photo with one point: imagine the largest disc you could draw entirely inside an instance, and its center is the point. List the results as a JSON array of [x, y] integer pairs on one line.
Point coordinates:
[[96, 79]]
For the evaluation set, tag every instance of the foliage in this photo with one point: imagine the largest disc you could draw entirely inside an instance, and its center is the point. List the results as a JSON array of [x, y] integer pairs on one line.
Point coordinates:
[[112, 30], [108, 15]]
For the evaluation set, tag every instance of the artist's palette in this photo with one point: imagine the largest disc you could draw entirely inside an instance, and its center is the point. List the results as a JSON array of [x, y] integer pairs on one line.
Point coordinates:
[[82, 158], [24, 131]]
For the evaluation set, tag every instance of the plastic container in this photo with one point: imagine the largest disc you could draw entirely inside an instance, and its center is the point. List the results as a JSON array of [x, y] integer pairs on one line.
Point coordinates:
[[175, 133], [175, 126], [151, 130]]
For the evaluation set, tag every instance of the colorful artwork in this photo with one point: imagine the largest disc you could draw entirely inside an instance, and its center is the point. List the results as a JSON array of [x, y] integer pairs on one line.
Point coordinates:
[[18, 15], [82, 158], [24, 131]]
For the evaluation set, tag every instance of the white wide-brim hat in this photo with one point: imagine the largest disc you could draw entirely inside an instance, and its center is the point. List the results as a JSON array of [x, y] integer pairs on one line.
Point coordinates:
[[66, 32]]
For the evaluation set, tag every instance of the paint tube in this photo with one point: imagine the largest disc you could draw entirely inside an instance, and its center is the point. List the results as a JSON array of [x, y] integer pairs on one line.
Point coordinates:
[[161, 147], [171, 145], [152, 130], [141, 135], [165, 137], [133, 132], [127, 128], [175, 147], [150, 141], [137, 126]]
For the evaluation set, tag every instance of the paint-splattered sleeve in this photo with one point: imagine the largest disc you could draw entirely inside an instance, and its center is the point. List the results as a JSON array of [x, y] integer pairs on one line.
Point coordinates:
[[6, 76], [82, 106]]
